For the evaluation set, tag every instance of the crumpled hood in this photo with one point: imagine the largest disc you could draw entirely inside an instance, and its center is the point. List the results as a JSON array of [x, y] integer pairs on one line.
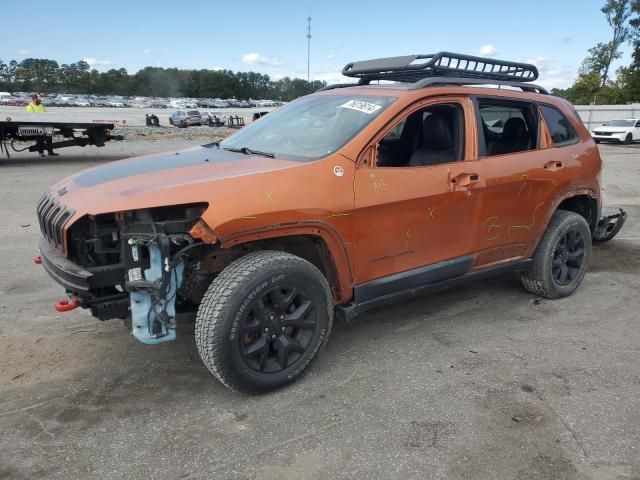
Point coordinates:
[[187, 176]]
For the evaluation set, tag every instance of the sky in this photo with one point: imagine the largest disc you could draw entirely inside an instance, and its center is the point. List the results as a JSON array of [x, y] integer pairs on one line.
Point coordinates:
[[270, 36]]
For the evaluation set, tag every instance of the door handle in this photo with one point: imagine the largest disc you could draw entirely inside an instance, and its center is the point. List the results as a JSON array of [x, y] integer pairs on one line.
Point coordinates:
[[553, 165], [464, 180]]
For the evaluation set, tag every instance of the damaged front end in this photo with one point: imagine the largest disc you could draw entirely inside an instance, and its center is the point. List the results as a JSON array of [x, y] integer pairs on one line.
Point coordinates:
[[609, 226], [128, 264]]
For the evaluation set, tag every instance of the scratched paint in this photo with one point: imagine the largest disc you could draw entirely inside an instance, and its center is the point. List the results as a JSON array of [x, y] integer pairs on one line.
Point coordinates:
[[491, 229], [377, 182], [526, 227], [526, 188], [431, 212], [333, 215], [407, 238], [268, 197]]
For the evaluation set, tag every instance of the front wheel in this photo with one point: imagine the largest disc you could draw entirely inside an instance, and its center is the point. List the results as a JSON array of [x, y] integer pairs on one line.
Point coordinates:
[[263, 320], [560, 261], [628, 139]]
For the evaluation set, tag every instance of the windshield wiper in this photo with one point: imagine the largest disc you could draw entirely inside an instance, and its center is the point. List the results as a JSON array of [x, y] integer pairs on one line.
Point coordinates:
[[249, 151]]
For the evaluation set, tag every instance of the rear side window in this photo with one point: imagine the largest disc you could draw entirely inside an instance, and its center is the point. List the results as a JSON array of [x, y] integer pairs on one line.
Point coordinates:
[[562, 132], [508, 126]]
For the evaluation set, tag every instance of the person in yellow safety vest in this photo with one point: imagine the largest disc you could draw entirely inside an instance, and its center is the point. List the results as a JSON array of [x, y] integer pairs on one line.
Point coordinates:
[[42, 142]]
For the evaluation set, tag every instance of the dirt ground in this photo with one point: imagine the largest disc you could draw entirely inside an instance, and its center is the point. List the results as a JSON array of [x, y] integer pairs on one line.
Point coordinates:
[[480, 382]]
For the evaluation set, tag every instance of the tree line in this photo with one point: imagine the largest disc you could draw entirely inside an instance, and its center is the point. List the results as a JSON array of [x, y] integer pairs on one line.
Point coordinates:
[[596, 83], [47, 76]]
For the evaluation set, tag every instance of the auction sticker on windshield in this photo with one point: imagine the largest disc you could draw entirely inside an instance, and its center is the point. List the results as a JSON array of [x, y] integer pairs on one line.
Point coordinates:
[[360, 106]]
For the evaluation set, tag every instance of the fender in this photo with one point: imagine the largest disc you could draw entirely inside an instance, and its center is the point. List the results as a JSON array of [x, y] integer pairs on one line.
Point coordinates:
[[318, 228], [555, 203]]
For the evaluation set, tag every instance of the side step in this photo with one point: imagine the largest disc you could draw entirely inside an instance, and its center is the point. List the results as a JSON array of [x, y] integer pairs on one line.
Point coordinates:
[[350, 311]]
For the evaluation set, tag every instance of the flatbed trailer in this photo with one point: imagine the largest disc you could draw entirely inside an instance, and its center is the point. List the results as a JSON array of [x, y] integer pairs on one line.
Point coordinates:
[[43, 127]]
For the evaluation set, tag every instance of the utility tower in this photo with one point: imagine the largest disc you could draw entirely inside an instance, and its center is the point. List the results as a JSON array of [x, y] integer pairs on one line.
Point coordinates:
[[308, 45]]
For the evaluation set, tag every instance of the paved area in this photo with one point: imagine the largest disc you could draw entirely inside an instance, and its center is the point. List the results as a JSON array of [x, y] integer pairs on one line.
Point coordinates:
[[480, 382]]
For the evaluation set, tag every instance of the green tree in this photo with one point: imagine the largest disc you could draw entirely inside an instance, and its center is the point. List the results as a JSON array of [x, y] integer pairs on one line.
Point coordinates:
[[600, 58]]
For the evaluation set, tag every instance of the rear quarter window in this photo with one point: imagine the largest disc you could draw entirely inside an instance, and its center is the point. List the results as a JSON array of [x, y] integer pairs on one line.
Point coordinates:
[[561, 130]]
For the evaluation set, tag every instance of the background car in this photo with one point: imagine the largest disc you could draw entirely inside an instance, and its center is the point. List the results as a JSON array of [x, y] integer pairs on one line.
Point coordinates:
[[621, 131], [182, 118]]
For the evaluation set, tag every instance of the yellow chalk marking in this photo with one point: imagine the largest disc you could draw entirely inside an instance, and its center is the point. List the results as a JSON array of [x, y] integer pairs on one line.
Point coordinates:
[[527, 227], [488, 234], [337, 215]]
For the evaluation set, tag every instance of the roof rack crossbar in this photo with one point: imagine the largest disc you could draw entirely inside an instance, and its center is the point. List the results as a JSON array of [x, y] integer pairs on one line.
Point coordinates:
[[461, 81], [412, 68], [438, 81]]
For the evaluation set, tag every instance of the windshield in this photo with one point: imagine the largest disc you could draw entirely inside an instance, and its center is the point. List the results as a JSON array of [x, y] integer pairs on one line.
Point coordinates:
[[619, 123], [311, 127]]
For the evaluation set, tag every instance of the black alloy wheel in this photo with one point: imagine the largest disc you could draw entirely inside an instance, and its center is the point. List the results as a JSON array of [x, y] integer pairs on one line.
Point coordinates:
[[568, 257], [277, 330]]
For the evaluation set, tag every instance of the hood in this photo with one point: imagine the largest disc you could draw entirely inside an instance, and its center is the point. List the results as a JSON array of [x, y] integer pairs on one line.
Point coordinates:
[[161, 179]]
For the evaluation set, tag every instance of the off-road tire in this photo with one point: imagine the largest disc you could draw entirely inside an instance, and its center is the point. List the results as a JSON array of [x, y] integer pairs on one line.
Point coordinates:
[[628, 139], [233, 293], [538, 279]]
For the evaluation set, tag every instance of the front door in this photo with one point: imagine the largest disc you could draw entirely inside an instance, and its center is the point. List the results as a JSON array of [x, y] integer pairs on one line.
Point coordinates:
[[415, 196]]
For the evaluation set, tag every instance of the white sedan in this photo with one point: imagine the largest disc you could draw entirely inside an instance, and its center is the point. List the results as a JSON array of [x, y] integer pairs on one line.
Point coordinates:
[[621, 131]]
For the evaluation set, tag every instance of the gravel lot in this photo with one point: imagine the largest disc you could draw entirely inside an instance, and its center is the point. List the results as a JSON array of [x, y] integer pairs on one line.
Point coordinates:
[[480, 382]]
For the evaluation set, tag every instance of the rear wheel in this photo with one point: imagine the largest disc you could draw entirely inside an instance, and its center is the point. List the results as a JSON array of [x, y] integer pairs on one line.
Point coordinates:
[[263, 320], [628, 139], [560, 261]]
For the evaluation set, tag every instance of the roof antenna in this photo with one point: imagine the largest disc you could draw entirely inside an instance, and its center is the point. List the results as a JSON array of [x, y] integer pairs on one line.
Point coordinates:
[[308, 42]]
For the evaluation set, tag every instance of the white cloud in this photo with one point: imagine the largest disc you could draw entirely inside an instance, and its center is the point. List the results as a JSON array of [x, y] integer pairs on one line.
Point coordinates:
[[254, 58], [487, 50], [552, 74], [217, 68], [24, 52], [96, 63], [331, 56], [146, 51]]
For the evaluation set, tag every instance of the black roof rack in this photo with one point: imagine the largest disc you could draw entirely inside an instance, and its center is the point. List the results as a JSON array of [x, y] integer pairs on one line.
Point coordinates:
[[412, 68]]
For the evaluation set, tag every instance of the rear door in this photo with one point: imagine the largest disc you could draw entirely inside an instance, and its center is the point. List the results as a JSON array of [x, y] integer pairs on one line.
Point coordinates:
[[519, 180]]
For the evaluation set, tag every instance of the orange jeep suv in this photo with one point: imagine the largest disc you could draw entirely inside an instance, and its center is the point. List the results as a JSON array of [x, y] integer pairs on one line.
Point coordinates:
[[353, 197]]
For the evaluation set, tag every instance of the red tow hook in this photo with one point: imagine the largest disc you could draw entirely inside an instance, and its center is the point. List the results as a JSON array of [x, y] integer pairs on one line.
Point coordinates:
[[67, 304], [37, 260]]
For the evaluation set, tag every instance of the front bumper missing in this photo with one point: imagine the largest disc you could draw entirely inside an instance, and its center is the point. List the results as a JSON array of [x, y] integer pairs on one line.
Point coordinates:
[[609, 226]]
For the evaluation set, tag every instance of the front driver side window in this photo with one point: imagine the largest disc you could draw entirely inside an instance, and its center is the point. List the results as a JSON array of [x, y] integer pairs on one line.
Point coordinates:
[[429, 136]]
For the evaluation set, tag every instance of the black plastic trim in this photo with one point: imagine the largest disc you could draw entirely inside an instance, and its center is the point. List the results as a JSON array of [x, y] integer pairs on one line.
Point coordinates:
[[352, 310], [75, 278], [412, 278], [71, 276]]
